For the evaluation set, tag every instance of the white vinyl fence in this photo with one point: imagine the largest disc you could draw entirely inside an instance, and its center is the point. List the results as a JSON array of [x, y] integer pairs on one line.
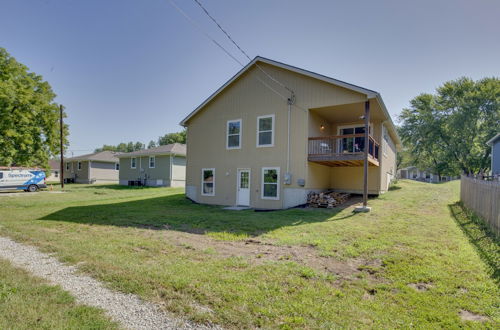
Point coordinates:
[[482, 197]]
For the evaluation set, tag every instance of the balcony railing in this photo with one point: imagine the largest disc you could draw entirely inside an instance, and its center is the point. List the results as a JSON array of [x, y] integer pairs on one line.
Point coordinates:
[[348, 147]]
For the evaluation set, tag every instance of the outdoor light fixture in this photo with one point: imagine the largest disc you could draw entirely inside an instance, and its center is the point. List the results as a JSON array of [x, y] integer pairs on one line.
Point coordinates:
[[322, 127]]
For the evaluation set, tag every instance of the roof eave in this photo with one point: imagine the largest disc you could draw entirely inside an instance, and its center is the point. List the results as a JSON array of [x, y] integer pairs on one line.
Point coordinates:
[[398, 142], [493, 139]]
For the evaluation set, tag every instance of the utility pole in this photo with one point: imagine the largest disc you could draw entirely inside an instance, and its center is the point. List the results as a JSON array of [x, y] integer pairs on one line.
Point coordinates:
[[62, 144]]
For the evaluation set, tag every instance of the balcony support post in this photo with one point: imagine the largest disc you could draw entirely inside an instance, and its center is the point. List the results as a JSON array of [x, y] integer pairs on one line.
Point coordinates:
[[365, 207]]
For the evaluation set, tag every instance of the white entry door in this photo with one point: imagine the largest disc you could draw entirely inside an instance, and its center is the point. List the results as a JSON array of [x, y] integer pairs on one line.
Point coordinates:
[[243, 189]]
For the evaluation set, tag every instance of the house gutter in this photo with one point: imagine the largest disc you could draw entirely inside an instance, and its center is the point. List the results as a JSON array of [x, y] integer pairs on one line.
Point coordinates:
[[171, 155]]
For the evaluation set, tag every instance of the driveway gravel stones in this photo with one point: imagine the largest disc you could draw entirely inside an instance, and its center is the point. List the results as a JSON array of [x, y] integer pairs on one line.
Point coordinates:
[[127, 309]]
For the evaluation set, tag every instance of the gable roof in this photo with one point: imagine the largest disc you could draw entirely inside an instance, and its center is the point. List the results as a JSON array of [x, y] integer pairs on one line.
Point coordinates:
[[493, 140], [174, 148], [54, 164], [102, 156], [370, 94]]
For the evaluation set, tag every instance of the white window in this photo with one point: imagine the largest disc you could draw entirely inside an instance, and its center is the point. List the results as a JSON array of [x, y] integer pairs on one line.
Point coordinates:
[[56, 174], [152, 161], [265, 131], [133, 162], [270, 183], [67, 166], [79, 166], [117, 166], [233, 133], [208, 181]]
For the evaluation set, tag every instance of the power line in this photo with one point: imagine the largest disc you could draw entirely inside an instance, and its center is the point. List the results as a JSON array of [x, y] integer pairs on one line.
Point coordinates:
[[202, 31], [190, 20], [241, 50], [222, 29]]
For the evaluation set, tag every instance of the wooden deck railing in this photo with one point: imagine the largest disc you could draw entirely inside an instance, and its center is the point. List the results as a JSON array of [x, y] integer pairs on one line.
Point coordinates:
[[336, 145]]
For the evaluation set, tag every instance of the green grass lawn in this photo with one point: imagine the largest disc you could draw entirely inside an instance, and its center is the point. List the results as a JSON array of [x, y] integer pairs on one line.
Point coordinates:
[[411, 262], [30, 303]]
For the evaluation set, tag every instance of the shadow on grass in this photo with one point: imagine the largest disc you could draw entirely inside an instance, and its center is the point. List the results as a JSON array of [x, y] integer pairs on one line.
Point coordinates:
[[175, 212], [479, 234], [115, 186]]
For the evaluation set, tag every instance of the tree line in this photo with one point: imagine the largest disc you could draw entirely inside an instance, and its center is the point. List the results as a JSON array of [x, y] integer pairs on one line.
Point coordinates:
[[446, 132], [169, 138]]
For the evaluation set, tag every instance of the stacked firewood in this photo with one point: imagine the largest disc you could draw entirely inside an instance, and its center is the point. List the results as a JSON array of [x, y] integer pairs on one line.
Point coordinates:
[[328, 199]]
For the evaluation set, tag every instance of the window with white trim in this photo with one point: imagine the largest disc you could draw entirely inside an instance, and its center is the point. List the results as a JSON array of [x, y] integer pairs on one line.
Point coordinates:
[[67, 166], [265, 131], [270, 183], [233, 134], [208, 181], [79, 166], [133, 162], [117, 166], [152, 161]]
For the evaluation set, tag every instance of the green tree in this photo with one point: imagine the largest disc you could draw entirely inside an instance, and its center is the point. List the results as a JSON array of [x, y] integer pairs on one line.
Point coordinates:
[[169, 138], [151, 144], [122, 147], [29, 117], [447, 132]]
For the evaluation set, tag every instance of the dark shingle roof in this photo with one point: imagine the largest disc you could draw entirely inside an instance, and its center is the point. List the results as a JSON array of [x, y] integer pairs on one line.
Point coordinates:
[[102, 156], [175, 148]]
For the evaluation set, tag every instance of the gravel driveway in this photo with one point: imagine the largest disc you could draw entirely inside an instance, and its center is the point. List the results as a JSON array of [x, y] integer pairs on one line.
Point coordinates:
[[127, 309]]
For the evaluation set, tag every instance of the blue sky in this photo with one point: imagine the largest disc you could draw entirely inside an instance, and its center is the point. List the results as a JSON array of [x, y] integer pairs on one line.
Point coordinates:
[[130, 70]]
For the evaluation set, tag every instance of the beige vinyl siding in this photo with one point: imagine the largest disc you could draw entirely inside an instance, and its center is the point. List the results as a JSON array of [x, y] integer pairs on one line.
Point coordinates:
[[103, 172], [247, 98], [178, 171], [99, 172], [80, 176], [387, 155]]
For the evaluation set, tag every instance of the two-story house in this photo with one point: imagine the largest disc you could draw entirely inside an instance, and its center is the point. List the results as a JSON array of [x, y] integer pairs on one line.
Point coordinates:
[[274, 132]]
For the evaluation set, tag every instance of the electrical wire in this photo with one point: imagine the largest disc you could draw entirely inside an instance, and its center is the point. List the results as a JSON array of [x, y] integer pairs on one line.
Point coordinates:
[[241, 49], [202, 31]]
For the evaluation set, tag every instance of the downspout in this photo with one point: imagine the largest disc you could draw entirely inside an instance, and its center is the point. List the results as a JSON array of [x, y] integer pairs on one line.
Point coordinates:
[[290, 101], [171, 155], [140, 168]]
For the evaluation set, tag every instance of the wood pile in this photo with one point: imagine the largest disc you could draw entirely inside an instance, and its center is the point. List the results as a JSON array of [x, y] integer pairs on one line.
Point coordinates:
[[328, 199]]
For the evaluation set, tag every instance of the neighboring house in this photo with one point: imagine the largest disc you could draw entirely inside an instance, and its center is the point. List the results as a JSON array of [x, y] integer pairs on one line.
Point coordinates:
[[494, 143], [99, 167], [55, 170], [413, 173], [238, 151], [161, 166]]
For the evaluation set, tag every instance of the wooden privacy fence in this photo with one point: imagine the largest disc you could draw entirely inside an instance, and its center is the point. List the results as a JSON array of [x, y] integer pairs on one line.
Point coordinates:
[[483, 197]]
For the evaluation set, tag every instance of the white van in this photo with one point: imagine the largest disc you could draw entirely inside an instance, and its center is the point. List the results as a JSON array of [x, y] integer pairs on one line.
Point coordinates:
[[22, 179]]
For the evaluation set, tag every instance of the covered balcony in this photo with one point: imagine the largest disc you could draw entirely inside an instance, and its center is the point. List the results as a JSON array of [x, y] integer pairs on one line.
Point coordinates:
[[337, 135], [342, 150]]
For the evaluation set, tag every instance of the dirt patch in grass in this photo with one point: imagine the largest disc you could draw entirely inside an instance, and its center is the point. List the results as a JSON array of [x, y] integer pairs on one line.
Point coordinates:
[[259, 252], [420, 286], [469, 316]]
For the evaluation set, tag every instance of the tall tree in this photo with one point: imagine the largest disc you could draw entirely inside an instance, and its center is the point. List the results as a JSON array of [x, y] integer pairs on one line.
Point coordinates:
[[169, 138], [29, 117], [447, 132], [151, 144]]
